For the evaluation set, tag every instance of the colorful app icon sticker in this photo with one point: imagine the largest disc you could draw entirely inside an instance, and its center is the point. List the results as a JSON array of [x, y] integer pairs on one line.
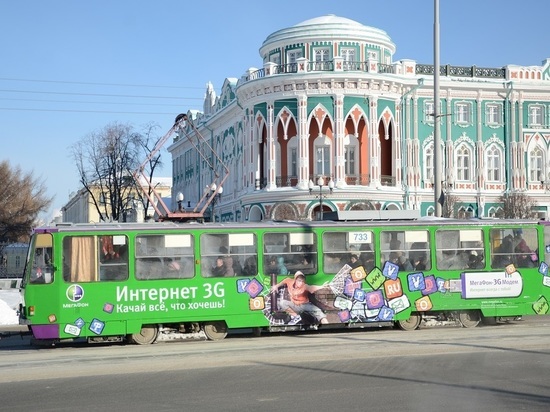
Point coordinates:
[[97, 326], [253, 288], [430, 285], [541, 306], [390, 270], [241, 285], [423, 304], [416, 281], [257, 303], [386, 314], [393, 288], [108, 307], [399, 304], [375, 278], [72, 330], [375, 299]]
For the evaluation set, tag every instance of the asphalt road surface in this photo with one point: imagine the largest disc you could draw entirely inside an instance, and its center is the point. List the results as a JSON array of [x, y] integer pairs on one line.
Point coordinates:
[[491, 368]]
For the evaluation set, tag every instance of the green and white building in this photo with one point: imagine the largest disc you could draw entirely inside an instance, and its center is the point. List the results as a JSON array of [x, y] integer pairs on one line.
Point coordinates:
[[331, 102]]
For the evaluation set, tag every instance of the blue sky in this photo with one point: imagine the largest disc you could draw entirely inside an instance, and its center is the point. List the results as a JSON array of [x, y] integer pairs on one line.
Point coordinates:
[[69, 68]]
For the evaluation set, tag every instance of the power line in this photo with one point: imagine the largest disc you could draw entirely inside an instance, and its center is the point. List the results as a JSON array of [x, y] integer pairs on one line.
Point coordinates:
[[91, 94], [80, 111], [92, 102], [102, 84]]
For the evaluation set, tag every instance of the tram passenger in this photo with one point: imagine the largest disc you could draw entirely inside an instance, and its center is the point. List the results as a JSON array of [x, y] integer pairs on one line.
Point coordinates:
[[219, 270], [354, 261], [524, 255], [503, 253], [250, 267], [299, 302]]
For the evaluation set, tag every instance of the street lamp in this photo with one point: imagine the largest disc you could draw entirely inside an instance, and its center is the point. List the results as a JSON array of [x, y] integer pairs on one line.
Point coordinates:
[[216, 192], [320, 183], [179, 198]]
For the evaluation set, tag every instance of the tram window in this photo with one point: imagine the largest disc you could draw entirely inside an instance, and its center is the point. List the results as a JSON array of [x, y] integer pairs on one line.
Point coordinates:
[[294, 251], [41, 268], [409, 249], [517, 246], [458, 249], [93, 258], [164, 257], [338, 248], [228, 254]]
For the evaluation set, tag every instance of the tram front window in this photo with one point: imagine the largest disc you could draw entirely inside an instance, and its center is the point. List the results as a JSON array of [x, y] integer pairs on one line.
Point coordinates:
[[41, 269]]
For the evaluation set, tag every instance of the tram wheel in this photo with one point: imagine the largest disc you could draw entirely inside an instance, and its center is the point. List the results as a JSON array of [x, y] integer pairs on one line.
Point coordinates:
[[469, 318], [410, 324], [146, 336], [215, 330]]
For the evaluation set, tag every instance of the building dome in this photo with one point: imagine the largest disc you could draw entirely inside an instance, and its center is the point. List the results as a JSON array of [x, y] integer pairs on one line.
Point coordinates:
[[328, 28]]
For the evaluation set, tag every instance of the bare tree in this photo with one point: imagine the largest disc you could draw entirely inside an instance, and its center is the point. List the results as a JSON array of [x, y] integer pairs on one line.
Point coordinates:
[[517, 205], [449, 206], [105, 161], [23, 198], [148, 142]]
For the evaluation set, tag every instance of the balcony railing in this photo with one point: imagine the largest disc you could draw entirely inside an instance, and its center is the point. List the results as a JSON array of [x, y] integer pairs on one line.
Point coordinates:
[[348, 66], [351, 180]]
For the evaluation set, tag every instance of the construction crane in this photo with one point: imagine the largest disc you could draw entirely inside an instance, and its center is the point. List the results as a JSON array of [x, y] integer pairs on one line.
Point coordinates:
[[181, 124]]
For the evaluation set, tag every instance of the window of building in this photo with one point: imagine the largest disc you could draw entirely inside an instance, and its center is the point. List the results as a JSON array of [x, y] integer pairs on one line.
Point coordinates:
[[275, 58], [536, 165], [292, 56], [321, 58], [536, 115], [463, 163], [463, 113], [493, 114], [294, 161], [349, 56], [428, 163], [349, 153], [322, 160], [429, 110], [494, 164]]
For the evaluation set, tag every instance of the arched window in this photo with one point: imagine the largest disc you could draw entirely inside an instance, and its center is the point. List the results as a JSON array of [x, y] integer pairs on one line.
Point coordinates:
[[536, 165], [429, 163], [463, 163], [494, 164], [323, 157]]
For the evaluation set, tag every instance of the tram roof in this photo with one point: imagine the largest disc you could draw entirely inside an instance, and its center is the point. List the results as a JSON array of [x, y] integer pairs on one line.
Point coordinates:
[[150, 226]]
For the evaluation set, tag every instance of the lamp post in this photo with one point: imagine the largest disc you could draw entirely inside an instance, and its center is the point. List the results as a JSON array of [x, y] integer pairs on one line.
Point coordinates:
[[179, 198], [216, 192], [320, 183]]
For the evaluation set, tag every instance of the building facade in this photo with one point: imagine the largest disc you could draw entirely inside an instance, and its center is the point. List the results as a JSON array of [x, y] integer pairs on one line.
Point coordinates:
[[81, 208], [330, 103]]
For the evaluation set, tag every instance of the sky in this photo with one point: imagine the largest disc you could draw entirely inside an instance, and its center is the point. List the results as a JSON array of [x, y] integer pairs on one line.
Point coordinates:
[[71, 68]]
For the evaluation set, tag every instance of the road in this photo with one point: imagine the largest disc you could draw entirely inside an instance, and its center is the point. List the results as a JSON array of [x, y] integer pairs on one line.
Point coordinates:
[[492, 368]]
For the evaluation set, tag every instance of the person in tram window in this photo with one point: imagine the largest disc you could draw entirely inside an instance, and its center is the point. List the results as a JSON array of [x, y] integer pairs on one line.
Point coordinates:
[[219, 270], [354, 261]]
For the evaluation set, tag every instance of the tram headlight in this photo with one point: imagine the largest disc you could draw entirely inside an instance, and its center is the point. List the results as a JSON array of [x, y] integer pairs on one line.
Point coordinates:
[[31, 311]]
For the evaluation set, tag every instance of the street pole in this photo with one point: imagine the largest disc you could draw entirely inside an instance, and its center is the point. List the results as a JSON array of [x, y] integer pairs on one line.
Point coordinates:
[[437, 118]]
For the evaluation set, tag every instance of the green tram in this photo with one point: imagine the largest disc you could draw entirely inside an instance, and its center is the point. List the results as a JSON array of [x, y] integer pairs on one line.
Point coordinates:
[[162, 281]]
